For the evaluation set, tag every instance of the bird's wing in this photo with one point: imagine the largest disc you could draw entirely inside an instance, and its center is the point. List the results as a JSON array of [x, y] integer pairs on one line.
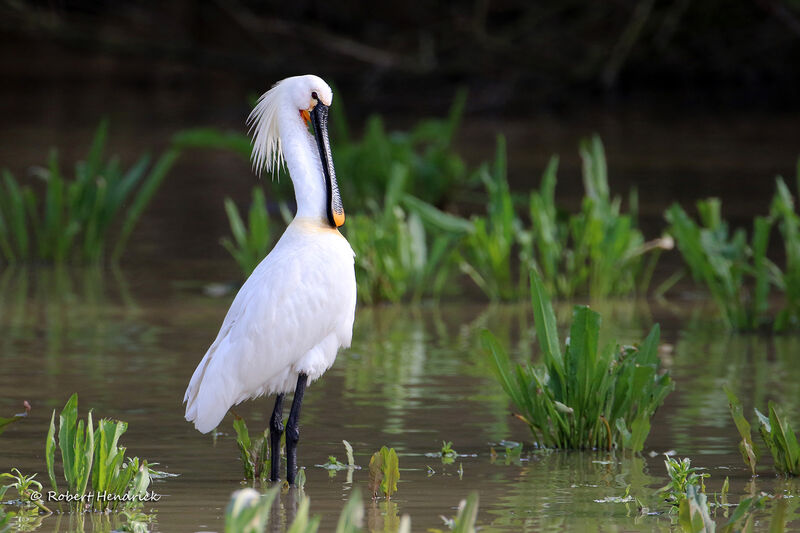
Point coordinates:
[[298, 296]]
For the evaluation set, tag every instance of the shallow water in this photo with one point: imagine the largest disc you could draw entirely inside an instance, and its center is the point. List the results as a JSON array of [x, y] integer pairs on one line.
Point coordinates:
[[414, 377]]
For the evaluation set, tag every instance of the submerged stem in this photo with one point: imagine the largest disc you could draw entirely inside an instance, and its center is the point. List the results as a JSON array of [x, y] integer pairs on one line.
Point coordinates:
[[608, 430]]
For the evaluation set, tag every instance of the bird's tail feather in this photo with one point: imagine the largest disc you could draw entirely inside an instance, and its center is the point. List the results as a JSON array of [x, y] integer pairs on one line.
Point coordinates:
[[205, 399]]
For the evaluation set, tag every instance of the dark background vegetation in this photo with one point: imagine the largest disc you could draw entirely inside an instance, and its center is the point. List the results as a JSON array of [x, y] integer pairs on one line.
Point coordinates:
[[516, 56], [692, 98]]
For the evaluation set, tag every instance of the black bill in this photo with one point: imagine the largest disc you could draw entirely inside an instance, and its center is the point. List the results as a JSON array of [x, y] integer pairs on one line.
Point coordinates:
[[319, 122]]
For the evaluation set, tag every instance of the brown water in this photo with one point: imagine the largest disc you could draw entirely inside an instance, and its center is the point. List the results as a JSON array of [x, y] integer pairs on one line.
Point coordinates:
[[415, 376]]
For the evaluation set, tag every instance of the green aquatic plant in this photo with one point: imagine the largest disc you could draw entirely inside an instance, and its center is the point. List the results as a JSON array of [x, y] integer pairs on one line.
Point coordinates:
[[76, 442], [425, 154], [694, 515], [351, 519], [625, 498], [252, 242], [94, 464], [682, 475], [447, 450], [303, 522], [686, 492], [466, 518], [776, 432], [135, 521], [585, 396], [78, 218], [447, 453], [254, 453], [488, 248], [215, 139], [26, 487], [780, 439], [384, 472], [249, 512], [600, 250], [4, 422], [750, 452], [512, 453], [351, 461], [5, 518], [334, 465], [396, 258], [736, 273], [742, 517], [788, 280]]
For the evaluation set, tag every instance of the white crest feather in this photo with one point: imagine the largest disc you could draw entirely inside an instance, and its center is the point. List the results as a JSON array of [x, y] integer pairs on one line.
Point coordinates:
[[263, 126]]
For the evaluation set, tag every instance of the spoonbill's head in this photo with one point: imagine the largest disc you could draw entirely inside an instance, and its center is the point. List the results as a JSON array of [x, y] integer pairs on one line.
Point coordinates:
[[299, 97], [298, 94], [306, 91]]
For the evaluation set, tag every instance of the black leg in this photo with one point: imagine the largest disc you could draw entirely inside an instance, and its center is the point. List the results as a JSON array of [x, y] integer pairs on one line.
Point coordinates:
[[292, 431], [275, 432]]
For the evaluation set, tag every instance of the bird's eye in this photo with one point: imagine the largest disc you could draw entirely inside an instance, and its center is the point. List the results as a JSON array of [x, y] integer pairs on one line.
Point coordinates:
[[314, 95]]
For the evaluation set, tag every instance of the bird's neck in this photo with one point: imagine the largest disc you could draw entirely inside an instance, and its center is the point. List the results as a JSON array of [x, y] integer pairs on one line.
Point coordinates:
[[305, 168]]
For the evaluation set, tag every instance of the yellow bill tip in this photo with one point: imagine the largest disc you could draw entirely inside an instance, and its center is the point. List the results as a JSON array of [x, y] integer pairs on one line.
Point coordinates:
[[338, 219]]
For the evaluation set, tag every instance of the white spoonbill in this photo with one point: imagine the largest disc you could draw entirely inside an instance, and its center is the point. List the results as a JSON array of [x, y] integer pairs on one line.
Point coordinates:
[[296, 309]]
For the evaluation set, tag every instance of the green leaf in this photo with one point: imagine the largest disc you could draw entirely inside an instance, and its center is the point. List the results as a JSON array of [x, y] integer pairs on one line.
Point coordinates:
[[16, 216], [584, 336], [351, 518], [302, 523], [749, 450], [204, 138], [693, 514], [236, 222], [573, 400], [108, 456], [595, 179], [640, 428], [67, 421], [398, 175], [140, 482], [761, 230], [436, 218], [87, 456], [49, 451], [245, 447], [5, 422], [93, 161], [248, 511], [545, 320], [391, 471], [143, 197], [349, 451], [785, 442]]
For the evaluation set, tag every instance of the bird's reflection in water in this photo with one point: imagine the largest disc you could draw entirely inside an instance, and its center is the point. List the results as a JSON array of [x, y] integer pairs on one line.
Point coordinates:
[[284, 509]]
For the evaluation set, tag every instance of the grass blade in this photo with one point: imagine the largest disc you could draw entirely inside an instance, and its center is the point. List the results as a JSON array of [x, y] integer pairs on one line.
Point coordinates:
[[545, 320], [143, 197]]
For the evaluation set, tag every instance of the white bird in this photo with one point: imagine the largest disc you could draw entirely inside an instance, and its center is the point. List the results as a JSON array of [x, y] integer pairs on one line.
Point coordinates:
[[296, 309]]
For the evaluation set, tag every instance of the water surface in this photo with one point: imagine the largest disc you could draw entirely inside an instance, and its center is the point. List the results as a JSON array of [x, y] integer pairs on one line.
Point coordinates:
[[414, 377]]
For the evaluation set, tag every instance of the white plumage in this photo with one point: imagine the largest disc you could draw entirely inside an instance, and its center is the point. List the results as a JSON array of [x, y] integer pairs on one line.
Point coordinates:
[[296, 309]]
